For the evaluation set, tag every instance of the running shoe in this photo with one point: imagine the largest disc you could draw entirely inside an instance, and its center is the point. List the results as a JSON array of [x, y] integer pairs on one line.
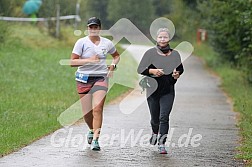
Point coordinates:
[[95, 145], [162, 149], [153, 139], [90, 136]]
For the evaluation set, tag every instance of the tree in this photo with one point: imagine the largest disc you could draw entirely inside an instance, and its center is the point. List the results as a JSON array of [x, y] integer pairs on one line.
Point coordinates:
[[184, 18], [230, 27], [191, 4], [11, 8], [141, 13], [162, 7], [48, 8], [98, 8]]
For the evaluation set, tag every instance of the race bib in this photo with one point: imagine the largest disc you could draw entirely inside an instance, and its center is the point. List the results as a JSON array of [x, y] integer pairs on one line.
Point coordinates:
[[81, 77]]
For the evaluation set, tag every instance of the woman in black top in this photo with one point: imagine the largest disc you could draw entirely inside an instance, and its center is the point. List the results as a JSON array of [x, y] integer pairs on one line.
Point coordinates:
[[163, 67]]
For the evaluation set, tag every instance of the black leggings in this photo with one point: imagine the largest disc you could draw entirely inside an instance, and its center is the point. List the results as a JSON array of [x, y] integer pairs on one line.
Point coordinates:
[[160, 109]]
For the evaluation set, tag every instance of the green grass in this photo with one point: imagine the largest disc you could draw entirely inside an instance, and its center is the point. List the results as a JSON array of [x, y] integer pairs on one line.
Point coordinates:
[[35, 88], [234, 83]]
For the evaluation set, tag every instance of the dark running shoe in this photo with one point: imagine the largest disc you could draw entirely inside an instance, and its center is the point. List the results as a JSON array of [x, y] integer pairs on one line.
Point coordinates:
[[153, 139]]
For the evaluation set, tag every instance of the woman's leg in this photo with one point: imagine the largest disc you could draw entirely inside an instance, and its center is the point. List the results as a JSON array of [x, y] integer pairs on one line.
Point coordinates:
[[98, 103], [166, 103], [153, 103], [86, 103], [99, 91]]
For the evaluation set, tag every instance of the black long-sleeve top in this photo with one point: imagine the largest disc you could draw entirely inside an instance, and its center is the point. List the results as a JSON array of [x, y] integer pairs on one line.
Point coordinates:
[[153, 60]]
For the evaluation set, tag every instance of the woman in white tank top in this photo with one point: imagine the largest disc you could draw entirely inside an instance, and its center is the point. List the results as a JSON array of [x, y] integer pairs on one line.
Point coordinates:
[[89, 55]]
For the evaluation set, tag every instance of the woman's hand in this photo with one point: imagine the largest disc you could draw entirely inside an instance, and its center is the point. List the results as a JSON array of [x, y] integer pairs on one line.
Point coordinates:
[[94, 59], [156, 72], [76, 61], [175, 74]]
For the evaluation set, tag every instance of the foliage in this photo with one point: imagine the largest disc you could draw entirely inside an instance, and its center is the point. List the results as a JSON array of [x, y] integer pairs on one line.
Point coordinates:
[[191, 4], [48, 8], [11, 7], [141, 13], [162, 7], [98, 9], [230, 30], [186, 20]]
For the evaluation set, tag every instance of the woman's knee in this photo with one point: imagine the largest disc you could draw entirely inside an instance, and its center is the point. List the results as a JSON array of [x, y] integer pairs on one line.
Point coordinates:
[[97, 110], [88, 114], [164, 118], [154, 123]]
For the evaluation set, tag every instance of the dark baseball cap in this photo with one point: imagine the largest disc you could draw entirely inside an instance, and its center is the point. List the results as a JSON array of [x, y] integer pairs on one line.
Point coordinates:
[[93, 21]]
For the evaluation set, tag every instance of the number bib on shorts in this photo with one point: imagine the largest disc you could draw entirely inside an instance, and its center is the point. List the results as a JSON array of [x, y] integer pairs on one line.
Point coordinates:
[[81, 77]]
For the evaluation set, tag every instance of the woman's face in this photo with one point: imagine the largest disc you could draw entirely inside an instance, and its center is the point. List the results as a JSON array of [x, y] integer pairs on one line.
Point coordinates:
[[94, 30], [163, 39]]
